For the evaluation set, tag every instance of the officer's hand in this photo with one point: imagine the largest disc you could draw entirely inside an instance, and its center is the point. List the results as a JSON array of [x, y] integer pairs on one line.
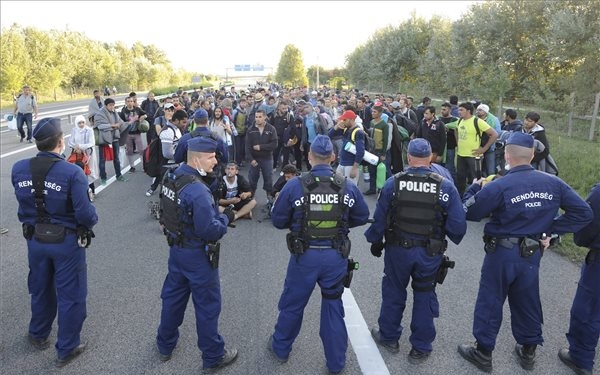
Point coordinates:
[[229, 213], [377, 249]]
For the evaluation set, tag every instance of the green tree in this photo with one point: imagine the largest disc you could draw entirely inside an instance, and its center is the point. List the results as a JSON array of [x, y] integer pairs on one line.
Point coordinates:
[[290, 70]]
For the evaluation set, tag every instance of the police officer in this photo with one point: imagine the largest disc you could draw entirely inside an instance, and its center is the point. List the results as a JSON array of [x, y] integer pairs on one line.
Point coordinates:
[[415, 211], [193, 226], [318, 208], [585, 312], [523, 206], [57, 218]]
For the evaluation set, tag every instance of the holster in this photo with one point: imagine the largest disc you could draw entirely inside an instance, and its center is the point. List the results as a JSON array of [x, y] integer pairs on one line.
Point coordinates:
[[294, 243], [27, 231], [344, 246], [213, 250], [49, 233], [352, 265], [489, 243], [443, 270], [436, 247], [528, 246]]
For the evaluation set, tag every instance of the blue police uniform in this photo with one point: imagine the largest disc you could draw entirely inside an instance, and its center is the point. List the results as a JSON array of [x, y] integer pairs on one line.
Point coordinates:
[[320, 264], [57, 271], [584, 327], [522, 204], [190, 272], [180, 154], [402, 263]]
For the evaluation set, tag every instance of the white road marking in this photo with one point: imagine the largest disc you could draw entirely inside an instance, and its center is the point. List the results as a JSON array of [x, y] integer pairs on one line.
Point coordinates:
[[368, 355]]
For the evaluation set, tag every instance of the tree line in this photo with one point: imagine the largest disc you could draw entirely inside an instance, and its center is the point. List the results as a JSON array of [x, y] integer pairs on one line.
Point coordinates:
[[69, 61], [532, 51]]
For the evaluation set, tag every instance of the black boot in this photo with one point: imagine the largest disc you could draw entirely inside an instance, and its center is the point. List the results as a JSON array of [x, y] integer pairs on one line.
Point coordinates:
[[477, 356], [565, 357], [526, 354]]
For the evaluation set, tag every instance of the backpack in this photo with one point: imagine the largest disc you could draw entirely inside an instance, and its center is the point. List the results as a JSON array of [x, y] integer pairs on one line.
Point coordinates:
[[153, 158], [369, 142], [407, 123], [483, 137]]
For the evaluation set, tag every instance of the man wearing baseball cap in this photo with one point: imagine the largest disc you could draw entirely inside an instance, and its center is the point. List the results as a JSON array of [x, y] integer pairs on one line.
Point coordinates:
[[349, 163]]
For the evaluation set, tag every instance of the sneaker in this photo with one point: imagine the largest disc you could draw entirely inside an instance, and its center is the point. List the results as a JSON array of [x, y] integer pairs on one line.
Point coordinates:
[[417, 357], [91, 196], [471, 353], [39, 344], [526, 354], [228, 358], [149, 192], [21, 140], [29, 141], [3, 230], [391, 346], [370, 192], [565, 357], [61, 362], [103, 181], [132, 170], [121, 178], [273, 354]]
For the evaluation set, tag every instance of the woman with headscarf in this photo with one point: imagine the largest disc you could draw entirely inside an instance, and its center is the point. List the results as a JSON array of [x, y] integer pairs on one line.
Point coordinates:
[[82, 141]]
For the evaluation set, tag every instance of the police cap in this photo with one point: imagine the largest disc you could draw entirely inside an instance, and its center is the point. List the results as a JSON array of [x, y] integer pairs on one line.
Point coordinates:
[[419, 148], [520, 139], [321, 145], [202, 144], [46, 128]]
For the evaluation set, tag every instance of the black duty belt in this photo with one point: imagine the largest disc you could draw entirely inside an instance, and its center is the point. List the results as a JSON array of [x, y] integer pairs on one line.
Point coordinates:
[[409, 243], [509, 242]]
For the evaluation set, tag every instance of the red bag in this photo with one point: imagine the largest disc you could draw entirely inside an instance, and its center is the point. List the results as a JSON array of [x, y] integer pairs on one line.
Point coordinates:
[[109, 154], [81, 160]]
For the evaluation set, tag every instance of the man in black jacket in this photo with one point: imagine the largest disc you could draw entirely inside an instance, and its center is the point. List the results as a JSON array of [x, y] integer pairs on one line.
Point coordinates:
[[261, 141]]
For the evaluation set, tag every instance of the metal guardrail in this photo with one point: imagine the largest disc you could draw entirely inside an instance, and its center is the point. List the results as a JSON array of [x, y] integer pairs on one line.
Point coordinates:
[[71, 113]]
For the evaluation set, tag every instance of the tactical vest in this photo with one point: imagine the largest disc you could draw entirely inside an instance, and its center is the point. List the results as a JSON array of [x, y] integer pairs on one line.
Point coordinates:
[[323, 207], [415, 207], [170, 209]]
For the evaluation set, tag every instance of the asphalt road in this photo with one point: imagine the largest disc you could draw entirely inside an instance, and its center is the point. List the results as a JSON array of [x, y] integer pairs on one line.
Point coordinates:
[[127, 263]]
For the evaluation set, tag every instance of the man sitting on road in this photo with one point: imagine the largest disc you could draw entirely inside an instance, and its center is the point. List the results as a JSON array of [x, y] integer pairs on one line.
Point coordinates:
[[236, 192]]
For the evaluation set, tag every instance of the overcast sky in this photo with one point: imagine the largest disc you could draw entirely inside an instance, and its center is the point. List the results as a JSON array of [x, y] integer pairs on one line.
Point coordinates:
[[210, 36]]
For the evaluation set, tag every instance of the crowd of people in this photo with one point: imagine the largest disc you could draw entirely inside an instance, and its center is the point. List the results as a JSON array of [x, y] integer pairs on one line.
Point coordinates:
[[431, 174]]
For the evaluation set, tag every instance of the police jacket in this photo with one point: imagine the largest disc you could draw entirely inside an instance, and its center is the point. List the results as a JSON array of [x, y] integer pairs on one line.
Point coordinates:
[[285, 215], [201, 219], [182, 147], [589, 236], [65, 192], [449, 201], [524, 203]]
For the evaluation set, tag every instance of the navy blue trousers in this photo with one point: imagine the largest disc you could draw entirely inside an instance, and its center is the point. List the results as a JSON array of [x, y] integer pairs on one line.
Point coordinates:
[[506, 274], [584, 327], [327, 268], [191, 273], [400, 265], [57, 281]]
